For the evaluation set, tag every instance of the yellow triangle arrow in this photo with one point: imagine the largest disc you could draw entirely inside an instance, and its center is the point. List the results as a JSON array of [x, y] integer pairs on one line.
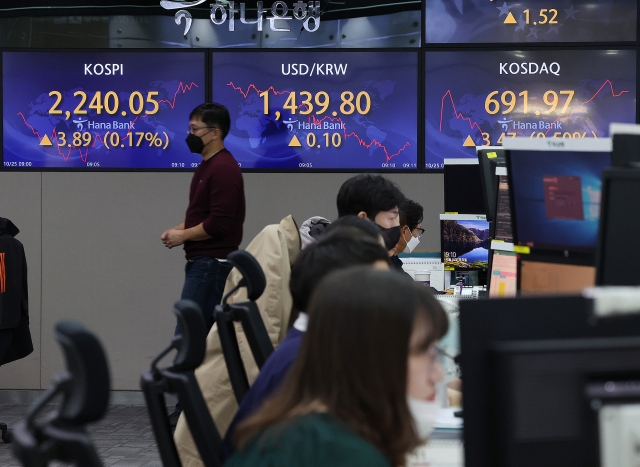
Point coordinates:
[[510, 19], [295, 142], [46, 141], [469, 142]]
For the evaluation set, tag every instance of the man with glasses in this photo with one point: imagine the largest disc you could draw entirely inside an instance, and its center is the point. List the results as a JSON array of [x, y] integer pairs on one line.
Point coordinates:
[[411, 214], [212, 227]]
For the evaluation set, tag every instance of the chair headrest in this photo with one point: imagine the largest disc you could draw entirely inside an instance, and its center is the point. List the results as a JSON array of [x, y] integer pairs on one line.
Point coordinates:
[[193, 336], [252, 275], [86, 394]]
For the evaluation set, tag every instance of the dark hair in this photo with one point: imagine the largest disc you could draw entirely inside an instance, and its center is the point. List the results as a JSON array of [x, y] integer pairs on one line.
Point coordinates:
[[368, 227], [213, 114], [338, 249], [411, 214], [368, 193], [353, 360]]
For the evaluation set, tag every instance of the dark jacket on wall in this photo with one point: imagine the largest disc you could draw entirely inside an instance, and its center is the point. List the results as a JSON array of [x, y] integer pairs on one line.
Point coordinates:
[[15, 338]]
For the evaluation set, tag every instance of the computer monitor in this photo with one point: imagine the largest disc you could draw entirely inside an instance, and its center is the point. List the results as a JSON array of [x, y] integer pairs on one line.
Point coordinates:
[[543, 277], [625, 139], [618, 243], [533, 375], [555, 189], [502, 229], [465, 241], [503, 274], [490, 157], [462, 187]]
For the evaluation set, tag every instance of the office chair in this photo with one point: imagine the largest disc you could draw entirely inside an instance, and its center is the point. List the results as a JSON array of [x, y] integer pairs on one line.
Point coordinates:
[[84, 389], [248, 315], [179, 379]]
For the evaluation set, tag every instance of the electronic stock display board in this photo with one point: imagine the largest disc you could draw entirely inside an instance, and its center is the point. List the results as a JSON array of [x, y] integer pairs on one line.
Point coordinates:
[[534, 93], [530, 21], [107, 110], [320, 110]]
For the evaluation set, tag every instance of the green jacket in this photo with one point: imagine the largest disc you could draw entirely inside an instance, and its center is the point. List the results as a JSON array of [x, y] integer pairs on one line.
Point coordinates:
[[313, 440]]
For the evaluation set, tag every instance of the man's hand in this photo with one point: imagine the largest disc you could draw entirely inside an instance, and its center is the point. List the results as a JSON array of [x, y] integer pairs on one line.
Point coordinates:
[[172, 237]]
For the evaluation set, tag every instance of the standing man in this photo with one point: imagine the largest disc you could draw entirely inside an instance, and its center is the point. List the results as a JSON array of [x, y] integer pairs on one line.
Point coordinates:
[[212, 227]]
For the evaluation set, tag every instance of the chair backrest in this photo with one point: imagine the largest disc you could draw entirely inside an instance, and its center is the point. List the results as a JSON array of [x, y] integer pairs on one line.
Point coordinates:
[[85, 389], [248, 315], [179, 379]]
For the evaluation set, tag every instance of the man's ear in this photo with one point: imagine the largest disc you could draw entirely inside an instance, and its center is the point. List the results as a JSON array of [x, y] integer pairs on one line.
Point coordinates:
[[363, 215]]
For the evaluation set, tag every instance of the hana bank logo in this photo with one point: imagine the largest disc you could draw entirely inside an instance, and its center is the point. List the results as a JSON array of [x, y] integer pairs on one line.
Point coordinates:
[[307, 12]]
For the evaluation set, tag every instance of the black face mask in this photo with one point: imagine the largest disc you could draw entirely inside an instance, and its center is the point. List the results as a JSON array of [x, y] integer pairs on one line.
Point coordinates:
[[195, 143], [390, 236]]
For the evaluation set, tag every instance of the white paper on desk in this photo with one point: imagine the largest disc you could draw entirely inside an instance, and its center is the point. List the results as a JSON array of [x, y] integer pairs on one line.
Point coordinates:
[[447, 421]]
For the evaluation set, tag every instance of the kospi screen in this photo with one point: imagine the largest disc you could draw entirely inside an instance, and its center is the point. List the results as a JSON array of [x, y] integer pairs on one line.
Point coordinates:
[[320, 110], [538, 94], [530, 21], [113, 110]]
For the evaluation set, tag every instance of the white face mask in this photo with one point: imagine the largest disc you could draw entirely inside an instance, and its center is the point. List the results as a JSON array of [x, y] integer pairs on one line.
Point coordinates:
[[412, 243], [424, 415]]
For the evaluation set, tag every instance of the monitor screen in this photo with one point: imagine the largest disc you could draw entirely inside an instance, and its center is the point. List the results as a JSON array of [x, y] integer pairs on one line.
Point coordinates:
[[618, 243], [530, 21], [463, 187], [503, 281], [555, 192], [545, 278], [533, 93], [556, 404], [465, 241], [106, 110], [489, 158], [625, 139], [321, 109], [502, 223]]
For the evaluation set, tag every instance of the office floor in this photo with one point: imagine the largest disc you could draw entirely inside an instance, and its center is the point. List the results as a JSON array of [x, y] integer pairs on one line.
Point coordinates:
[[123, 438]]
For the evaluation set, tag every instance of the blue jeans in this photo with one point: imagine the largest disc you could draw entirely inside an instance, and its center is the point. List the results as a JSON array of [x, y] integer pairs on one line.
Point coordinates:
[[204, 284]]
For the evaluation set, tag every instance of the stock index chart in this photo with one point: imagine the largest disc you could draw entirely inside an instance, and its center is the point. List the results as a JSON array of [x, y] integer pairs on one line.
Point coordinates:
[[320, 110], [97, 110], [537, 94]]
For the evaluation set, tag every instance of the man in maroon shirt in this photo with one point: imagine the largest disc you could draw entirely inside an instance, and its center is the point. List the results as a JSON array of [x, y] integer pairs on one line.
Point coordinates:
[[212, 227]]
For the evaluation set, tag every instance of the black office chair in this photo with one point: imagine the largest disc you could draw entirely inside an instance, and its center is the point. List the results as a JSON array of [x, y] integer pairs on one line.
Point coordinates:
[[248, 315], [179, 379], [84, 388]]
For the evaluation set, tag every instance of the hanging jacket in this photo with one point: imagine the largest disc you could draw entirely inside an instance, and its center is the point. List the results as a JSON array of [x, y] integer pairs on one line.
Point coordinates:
[[275, 248], [15, 337]]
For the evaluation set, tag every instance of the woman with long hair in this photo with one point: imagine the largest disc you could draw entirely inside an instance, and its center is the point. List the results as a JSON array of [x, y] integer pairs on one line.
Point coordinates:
[[361, 388]]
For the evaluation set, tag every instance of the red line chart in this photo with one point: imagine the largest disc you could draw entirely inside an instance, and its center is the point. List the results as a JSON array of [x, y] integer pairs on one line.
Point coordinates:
[[473, 124], [311, 119], [84, 151]]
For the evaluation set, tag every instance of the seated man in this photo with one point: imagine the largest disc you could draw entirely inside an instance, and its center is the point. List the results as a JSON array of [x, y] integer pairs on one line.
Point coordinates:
[[374, 198], [346, 246]]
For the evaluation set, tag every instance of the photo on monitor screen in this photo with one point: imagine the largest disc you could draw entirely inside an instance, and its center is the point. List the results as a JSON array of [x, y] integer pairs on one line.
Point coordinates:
[[530, 21], [320, 110], [99, 109], [558, 94], [556, 194], [465, 241]]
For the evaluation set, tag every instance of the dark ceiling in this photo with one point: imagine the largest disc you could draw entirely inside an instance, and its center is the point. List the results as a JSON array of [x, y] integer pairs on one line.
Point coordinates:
[[331, 9]]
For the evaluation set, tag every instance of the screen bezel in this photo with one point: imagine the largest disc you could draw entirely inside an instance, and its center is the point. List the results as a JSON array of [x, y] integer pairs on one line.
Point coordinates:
[[599, 145], [488, 177]]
